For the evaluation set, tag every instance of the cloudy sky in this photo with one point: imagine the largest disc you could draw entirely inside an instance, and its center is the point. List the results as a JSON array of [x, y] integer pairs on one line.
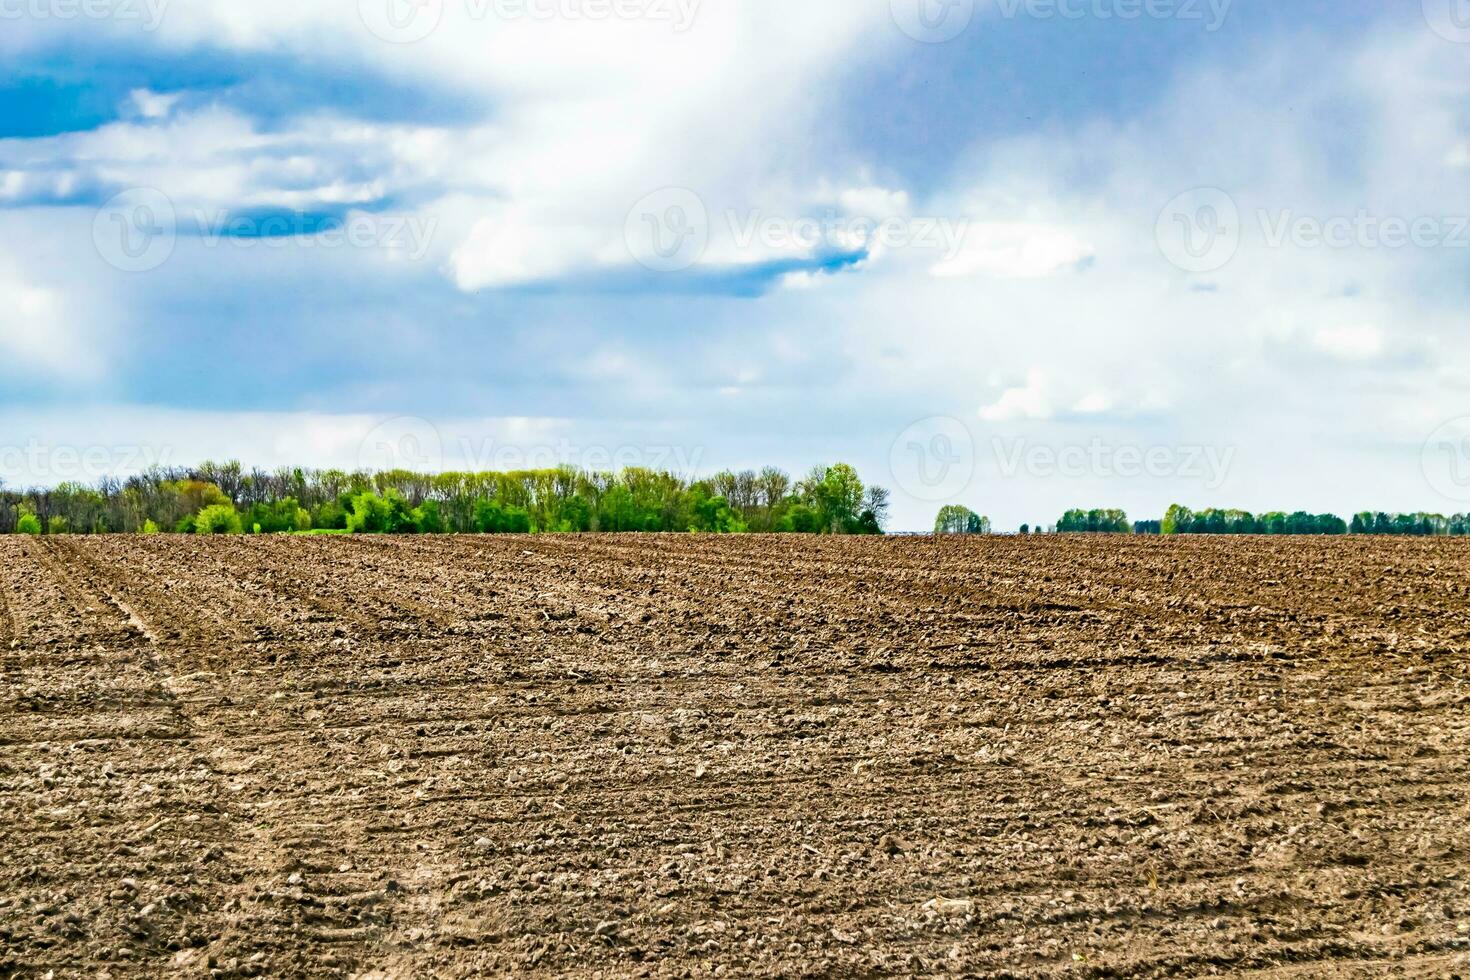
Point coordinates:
[[1019, 254]]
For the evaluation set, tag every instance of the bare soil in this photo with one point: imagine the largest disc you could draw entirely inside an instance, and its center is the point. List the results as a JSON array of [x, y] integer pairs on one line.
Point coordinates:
[[387, 757]]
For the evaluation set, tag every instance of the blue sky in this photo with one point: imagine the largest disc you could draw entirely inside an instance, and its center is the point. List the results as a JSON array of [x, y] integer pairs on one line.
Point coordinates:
[[997, 268]]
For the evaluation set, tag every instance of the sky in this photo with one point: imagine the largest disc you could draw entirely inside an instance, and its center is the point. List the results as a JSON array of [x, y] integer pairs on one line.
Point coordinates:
[[1021, 255]]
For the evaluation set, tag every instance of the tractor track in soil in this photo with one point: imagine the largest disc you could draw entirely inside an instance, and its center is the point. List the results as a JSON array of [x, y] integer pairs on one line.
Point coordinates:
[[674, 755]]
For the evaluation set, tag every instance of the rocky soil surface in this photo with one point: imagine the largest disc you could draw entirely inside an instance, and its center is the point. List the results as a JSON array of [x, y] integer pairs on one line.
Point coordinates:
[[684, 756]]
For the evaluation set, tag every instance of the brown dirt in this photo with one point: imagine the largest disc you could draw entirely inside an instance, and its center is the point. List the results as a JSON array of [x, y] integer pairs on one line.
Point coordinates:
[[678, 755]]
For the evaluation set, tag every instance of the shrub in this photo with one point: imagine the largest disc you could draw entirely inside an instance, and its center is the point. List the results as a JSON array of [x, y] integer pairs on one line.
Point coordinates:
[[217, 519], [712, 515], [369, 514], [149, 527], [58, 525], [800, 519], [28, 524], [330, 516], [277, 517], [491, 517], [388, 514], [426, 519]]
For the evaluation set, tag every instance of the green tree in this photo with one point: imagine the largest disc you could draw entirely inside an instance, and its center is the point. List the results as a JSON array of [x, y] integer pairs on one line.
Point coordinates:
[[713, 515], [218, 519], [956, 519], [1177, 520]]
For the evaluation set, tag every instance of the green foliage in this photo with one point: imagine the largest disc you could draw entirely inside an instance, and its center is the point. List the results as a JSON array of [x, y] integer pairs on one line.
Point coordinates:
[[425, 518], [492, 517], [798, 518], [196, 495], [1094, 522], [828, 500], [831, 500], [574, 515], [278, 517], [218, 519], [1182, 520], [370, 514], [389, 513], [835, 494], [1410, 525], [956, 519], [330, 516], [712, 515]]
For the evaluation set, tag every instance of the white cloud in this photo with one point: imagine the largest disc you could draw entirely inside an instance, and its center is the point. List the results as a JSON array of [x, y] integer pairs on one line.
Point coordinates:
[[1014, 251], [1031, 401], [587, 119], [1362, 342], [153, 105], [514, 244], [40, 336]]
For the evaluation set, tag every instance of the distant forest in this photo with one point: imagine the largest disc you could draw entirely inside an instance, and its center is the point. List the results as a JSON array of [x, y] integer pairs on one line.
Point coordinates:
[[1181, 520], [227, 499]]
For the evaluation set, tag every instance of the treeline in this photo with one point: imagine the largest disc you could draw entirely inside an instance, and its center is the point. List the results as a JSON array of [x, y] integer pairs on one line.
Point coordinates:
[[1182, 520], [1094, 522], [1412, 525], [227, 499]]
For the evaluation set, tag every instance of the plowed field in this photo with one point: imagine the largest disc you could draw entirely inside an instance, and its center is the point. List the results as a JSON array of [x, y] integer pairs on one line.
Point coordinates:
[[749, 756]]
